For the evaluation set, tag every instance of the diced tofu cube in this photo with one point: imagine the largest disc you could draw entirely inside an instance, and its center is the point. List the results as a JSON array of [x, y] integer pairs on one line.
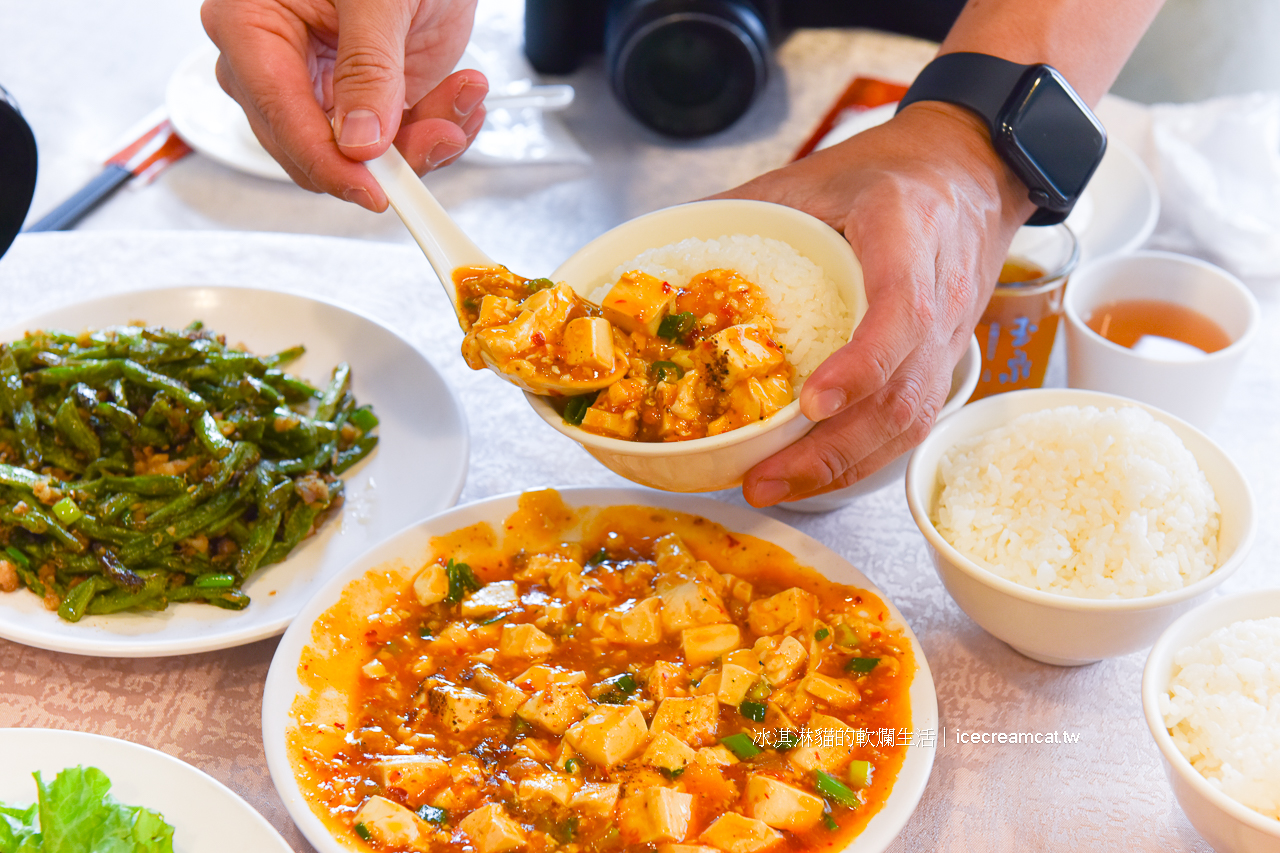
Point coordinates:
[[416, 775], [492, 830], [588, 342], [374, 669], [743, 351], [783, 663], [780, 805], [735, 681], [538, 676], [391, 824], [717, 756], [620, 424], [641, 624], [671, 554], [686, 403], [686, 848], [789, 610], [667, 752], [431, 585], [692, 719], [733, 833], [609, 735], [691, 604], [655, 814], [596, 797], [553, 787], [740, 590], [555, 707], [491, 598], [745, 658], [638, 302], [708, 642], [708, 686], [524, 641], [496, 310], [753, 399], [458, 708], [663, 678], [506, 697], [541, 319], [830, 746], [834, 691]]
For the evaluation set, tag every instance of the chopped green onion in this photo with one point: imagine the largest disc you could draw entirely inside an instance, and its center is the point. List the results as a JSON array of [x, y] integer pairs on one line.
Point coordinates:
[[861, 665], [667, 371], [470, 304], [22, 558], [363, 832], [829, 822], [571, 766], [215, 580], [787, 740], [676, 326], [576, 409], [760, 691], [860, 773], [461, 581], [566, 830], [67, 511], [741, 745], [845, 636], [431, 814], [821, 634], [492, 619], [617, 689], [424, 631], [832, 788], [520, 726], [671, 773], [753, 711], [536, 284], [598, 557]]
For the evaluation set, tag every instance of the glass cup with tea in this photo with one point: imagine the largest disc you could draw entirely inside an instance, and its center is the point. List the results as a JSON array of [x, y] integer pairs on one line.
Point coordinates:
[[1018, 327]]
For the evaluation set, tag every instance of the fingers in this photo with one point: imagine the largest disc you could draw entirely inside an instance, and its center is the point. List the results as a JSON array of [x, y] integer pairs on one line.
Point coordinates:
[[445, 122], [368, 78]]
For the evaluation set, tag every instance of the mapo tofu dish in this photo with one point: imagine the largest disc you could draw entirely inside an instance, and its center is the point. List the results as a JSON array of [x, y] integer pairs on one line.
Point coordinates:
[[618, 679], [692, 359]]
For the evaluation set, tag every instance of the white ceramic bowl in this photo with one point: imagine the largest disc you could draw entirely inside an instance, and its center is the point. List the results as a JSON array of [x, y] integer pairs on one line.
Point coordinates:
[[715, 462], [964, 378], [1228, 825], [412, 546], [1063, 629]]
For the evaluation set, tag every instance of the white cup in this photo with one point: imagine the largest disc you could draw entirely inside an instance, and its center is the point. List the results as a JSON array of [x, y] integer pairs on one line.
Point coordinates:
[[1192, 389]]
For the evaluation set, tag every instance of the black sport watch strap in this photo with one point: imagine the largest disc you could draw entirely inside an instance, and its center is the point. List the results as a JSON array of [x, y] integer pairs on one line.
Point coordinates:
[[977, 81]]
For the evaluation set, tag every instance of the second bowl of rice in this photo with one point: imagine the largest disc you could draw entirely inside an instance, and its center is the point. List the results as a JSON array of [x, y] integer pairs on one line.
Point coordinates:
[[1076, 525], [814, 286]]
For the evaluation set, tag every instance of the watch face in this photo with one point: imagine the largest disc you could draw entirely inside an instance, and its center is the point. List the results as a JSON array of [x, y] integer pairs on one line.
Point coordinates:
[[1046, 126]]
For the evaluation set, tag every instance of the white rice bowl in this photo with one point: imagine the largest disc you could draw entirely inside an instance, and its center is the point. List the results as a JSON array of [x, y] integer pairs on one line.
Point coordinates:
[[1080, 501], [1223, 711], [810, 319]]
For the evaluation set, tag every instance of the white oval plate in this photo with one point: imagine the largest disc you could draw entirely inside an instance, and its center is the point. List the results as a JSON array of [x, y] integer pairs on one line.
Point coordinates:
[[418, 467], [206, 816], [1116, 213], [412, 544]]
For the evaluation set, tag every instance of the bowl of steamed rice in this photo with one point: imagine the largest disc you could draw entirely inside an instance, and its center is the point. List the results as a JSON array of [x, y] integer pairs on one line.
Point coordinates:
[[768, 293], [1076, 525], [1211, 696]]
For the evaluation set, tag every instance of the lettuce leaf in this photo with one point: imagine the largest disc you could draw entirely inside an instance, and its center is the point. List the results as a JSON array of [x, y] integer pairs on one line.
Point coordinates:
[[78, 815]]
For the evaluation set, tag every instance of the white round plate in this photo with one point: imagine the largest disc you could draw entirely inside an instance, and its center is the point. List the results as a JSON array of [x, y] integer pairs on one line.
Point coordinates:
[[417, 469], [206, 816], [1116, 213], [412, 545]]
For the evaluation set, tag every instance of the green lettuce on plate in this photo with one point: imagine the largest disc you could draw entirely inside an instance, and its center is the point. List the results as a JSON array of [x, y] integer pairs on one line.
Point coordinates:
[[76, 814]]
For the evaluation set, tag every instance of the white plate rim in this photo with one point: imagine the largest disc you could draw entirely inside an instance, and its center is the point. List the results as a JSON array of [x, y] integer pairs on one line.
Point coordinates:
[[282, 684], [55, 635], [29, 749]]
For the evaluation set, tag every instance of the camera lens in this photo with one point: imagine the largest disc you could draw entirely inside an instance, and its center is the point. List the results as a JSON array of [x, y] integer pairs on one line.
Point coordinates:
[[17, 170], [686, 68]]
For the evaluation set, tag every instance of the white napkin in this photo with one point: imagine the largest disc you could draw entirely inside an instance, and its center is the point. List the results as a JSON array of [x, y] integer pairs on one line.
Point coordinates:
[[1217, 163]]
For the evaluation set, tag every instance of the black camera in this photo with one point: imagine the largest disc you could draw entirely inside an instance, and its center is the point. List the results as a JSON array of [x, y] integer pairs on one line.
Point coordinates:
[[689, 68]]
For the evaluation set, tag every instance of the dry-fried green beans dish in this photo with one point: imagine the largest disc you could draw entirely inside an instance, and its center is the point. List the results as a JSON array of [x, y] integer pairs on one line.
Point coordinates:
[[142, 465]]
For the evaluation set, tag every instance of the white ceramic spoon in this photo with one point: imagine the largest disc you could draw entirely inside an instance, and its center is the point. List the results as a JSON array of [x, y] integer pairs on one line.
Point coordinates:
[[448, 248]]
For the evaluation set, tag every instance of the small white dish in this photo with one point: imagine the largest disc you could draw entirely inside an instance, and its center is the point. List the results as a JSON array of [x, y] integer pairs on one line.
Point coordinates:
[[1228, 825], [716, 462], [1059, 629], [412, 546], [1193, 389], [964, 378], [418, 468], [206, 816]]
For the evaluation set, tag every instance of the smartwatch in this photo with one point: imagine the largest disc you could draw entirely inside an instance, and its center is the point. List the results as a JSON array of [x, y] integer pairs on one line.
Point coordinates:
[[1039, 126]]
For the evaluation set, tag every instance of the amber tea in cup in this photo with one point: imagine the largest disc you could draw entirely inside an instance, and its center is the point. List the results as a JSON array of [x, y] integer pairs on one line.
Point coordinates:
[[1020, 322]]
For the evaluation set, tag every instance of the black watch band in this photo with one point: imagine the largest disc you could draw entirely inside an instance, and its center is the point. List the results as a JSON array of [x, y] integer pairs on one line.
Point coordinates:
[[1039, 126]]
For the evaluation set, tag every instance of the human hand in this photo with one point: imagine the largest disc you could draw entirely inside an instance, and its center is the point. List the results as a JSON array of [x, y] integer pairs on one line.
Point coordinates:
[[929, 210], [325, 84]]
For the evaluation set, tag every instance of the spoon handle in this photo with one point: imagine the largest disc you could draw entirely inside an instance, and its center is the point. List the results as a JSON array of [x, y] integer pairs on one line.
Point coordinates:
[[446, 246]]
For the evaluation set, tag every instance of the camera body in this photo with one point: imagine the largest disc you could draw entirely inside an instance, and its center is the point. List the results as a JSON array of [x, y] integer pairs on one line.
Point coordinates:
[[689, 68]]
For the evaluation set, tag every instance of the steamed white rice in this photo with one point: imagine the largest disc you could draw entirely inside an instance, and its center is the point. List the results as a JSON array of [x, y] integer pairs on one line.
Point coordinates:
[[1223, 711], [1081, 501], [810, 318]]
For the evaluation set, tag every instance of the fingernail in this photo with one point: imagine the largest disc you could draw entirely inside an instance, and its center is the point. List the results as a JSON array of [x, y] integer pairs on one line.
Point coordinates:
[[358, 195], [360, 129], [770, 492], [468, 98], [443, 151], [827, 403], [473, 122]]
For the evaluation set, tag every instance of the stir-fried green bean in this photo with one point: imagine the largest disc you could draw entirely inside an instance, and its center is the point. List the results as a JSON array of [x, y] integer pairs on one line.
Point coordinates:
[[141, 465]]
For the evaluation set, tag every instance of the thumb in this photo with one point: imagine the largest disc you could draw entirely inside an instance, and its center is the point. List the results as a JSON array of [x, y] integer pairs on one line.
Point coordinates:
[[368, 78]]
